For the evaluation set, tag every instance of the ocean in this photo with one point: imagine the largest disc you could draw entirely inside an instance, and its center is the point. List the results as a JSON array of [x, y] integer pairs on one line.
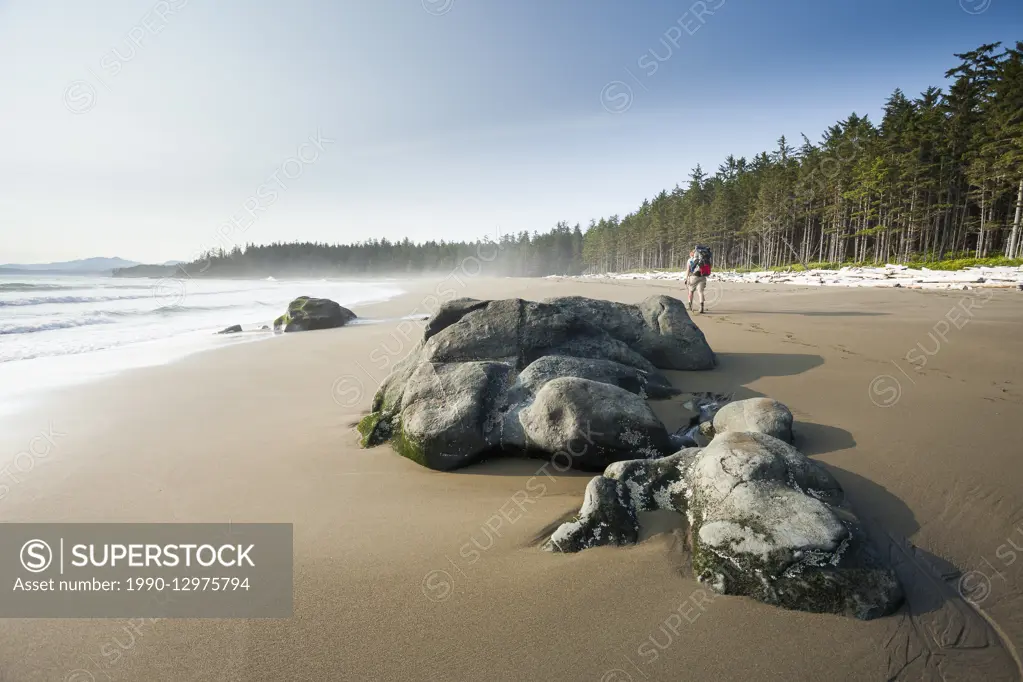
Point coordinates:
[[59, 330]]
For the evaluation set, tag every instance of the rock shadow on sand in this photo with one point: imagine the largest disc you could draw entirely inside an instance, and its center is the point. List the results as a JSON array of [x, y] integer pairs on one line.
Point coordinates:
[[818, 439], [516, 463], [740, 369], [733, 375], [937, 634]]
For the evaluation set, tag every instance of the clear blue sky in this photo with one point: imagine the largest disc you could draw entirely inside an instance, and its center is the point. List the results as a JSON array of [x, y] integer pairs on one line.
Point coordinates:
[[449, 118]]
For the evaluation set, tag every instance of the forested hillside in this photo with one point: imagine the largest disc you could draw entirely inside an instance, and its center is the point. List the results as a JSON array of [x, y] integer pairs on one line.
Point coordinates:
[[941, 173], [523, 255]]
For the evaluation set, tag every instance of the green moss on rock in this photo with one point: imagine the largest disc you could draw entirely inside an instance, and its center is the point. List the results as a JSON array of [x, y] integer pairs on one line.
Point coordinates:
[[406, 446], [368, 423], [726, 575], [374, 429], [305, 313], [381, 402], [378, 427], [818, 591]]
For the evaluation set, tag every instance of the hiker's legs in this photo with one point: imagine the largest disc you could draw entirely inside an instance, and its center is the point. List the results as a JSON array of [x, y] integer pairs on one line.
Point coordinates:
[[701, 287], [691, 286]]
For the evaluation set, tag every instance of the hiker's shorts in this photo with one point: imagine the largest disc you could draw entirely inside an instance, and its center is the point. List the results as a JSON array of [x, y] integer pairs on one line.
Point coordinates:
[[697, 284]]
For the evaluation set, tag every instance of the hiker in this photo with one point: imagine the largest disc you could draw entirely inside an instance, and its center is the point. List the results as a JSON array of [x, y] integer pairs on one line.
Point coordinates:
[[697, 270]]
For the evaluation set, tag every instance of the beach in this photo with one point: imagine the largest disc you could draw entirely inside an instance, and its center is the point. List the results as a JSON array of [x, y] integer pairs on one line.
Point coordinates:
[[912, 399]]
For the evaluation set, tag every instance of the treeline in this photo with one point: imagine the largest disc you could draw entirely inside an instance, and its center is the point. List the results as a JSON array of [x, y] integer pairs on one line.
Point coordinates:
[[558, 252], [942, 173]]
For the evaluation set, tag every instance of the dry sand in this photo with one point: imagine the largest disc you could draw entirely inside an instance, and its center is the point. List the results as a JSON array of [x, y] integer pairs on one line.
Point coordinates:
[[397, 576]]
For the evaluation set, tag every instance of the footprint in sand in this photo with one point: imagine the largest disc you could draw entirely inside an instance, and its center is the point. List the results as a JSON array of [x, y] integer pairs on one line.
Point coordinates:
[[791, 338], [1003, 399], [1001, 386]]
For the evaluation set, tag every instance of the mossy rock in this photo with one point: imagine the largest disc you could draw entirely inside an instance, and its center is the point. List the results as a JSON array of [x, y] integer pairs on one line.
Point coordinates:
[[379, 427], [307, 314], [761, 524], [375, 429], [407, 446]]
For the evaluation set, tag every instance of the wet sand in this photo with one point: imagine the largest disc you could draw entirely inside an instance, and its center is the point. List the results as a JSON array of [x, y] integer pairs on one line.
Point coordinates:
[[407, 574]]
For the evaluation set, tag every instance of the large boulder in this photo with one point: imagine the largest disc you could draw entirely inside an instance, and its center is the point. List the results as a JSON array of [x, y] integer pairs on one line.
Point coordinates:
[[765, 521], [557, 372], [593, 423], [307, 314], [448, 414], [770, 523], [760, 415], [658, 328], [758, 501]]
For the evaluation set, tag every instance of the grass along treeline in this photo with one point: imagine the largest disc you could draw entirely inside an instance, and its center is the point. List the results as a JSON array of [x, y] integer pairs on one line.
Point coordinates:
[[949, 264], [952, 264]]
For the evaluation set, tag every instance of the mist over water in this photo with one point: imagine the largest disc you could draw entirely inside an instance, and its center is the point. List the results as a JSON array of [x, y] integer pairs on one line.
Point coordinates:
[[56, 330]]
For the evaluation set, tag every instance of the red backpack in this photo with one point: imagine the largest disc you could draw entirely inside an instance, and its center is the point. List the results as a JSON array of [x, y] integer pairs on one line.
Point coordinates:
[[704, 257]]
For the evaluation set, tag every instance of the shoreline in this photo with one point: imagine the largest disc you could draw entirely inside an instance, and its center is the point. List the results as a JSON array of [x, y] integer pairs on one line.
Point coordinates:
[[388, 552], [35, 377]]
